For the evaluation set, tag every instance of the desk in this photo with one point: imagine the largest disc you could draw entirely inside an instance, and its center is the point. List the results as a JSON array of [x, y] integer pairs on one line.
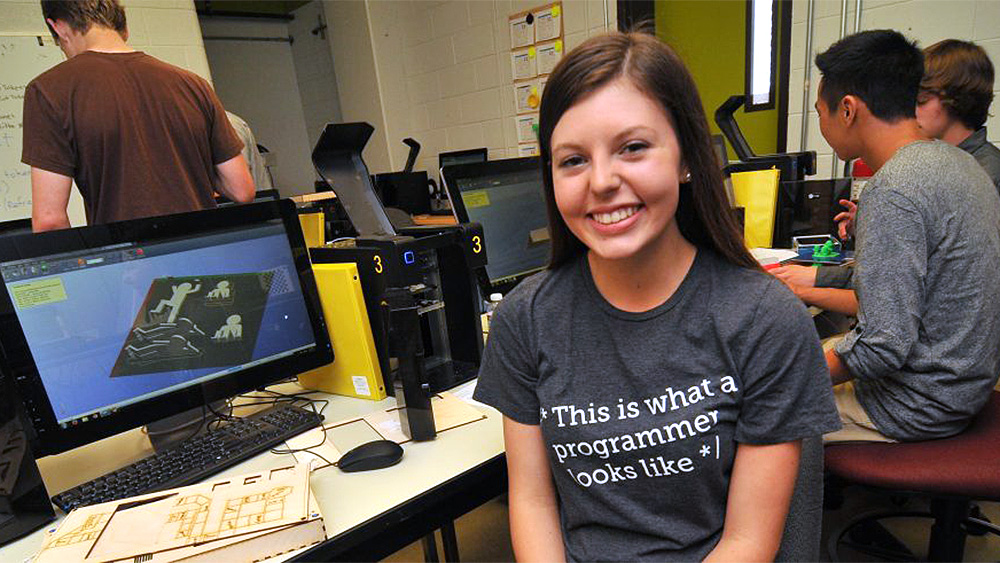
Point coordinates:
[[368, 515]]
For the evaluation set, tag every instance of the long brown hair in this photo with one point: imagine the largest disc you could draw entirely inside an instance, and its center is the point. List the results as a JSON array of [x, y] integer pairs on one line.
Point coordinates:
[[704, 214]]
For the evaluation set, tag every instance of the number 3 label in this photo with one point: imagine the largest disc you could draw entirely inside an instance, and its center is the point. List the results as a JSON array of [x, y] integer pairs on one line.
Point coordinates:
[[477, 246], [378, 264]]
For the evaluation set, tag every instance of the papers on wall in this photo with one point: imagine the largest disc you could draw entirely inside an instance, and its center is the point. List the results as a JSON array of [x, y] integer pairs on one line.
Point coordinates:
[[522, 33], [528, 150], [548, 55], [527, 98], [523, 64], [548, 23], [536, 41], [527, 128]]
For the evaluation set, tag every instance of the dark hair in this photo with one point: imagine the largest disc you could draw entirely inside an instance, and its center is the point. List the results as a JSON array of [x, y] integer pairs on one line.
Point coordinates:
[[961, 74], [82, 14], [882, 67], [704, 214]]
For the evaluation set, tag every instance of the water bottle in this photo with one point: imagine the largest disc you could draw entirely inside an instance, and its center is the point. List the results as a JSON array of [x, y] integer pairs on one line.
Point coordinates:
[[491, 306]]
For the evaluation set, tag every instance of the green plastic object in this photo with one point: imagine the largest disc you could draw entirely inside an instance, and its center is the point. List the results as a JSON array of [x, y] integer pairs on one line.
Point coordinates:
[[826, 251]]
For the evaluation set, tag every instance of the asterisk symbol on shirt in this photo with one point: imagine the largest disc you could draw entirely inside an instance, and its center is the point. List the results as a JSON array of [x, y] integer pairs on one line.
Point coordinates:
[[543, 413], [705, 450]]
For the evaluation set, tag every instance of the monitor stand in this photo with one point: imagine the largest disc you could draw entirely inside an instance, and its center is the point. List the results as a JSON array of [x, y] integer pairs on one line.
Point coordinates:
[[172, 430]]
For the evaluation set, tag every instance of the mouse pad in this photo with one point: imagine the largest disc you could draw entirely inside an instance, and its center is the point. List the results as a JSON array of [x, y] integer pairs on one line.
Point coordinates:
[[195, 322]]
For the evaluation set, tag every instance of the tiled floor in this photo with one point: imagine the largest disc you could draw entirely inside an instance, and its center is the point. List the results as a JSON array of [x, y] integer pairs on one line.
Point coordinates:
[[483, 534]]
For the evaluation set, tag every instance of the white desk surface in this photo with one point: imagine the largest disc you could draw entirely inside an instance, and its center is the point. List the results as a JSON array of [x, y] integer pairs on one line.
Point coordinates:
[[346, 499]]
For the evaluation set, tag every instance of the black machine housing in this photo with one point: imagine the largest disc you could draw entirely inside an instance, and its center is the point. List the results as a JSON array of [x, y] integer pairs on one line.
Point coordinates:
[[24, 502], [437, 265], [412, 278]]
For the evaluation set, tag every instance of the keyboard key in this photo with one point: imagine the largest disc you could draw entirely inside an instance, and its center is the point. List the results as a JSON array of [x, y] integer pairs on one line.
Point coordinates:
[[196, 458]]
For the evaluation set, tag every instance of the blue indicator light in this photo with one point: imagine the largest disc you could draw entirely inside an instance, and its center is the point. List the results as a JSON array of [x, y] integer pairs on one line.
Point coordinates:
[[408, 257]]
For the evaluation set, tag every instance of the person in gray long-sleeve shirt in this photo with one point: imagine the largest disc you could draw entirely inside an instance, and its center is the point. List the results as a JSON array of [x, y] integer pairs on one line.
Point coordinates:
[[954, 100], [952, 105], [926, 350]]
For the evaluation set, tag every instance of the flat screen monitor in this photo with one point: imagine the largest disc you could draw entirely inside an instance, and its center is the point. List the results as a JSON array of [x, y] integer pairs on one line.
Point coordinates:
[[807, 207], [260, 195], [15, 227], [110, 327], [505, 196], [469, 156]]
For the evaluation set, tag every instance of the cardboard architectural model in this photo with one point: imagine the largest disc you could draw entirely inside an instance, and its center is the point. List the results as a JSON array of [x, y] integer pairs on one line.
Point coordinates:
[[245, 518], [195, 322]]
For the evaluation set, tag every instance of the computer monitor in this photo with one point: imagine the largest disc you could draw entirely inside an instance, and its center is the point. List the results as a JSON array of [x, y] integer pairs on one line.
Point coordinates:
[[260, 195], [807, 207], [469, 156], [15, 227], [505, 196], [109, 327]]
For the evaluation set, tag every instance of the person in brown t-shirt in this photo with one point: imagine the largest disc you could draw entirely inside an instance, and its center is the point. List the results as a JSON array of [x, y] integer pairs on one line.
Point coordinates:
[[139, 136]]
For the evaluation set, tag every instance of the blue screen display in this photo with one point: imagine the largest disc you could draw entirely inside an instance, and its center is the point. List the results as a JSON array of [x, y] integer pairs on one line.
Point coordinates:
[[106, 333]]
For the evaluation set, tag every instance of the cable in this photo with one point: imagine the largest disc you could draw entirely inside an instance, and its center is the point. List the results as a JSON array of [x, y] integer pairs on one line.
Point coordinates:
[[312, 405]]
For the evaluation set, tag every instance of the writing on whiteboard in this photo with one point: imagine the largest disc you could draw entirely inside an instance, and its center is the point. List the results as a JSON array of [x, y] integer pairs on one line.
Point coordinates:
[[21, 60]]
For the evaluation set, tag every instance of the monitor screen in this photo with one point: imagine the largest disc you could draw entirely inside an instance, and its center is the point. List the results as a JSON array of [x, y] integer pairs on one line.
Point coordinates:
[[15, 227], [505, 196], [461, 157], [808, 207], [113, 326], [258, 196]]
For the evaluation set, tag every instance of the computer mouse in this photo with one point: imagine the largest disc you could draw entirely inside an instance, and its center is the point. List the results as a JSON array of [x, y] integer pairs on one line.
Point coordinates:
[[371, 455]]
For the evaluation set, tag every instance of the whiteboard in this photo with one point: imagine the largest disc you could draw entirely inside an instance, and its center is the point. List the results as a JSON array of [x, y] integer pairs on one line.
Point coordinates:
[[22, 58]]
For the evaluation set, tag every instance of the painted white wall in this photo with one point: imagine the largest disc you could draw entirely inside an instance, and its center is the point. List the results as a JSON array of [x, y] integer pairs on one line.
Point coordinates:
[[351, 45], [438, 71], [314, 69], [166, 29], [257, 81], [927, 21]]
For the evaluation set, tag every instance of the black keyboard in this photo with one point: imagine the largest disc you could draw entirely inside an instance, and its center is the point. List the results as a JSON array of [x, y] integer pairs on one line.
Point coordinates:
[[196, 458]]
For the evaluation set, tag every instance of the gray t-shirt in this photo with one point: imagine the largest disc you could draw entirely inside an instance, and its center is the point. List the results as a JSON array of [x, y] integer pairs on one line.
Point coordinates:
[[985, 153], [976, 144], [926, 350], [641, 412]]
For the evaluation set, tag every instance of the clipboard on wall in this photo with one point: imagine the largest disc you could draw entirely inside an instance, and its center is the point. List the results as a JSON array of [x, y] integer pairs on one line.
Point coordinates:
[[757, 192]]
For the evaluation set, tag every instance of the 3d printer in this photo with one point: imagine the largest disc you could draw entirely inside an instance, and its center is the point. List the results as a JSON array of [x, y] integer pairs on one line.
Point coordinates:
[[412, 277]]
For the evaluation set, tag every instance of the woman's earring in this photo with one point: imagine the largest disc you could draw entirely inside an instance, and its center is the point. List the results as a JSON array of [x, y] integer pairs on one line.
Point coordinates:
[[686, 178]]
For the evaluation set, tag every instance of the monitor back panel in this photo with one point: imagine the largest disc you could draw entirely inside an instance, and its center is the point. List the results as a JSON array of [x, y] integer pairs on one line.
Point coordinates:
[[469, 156]]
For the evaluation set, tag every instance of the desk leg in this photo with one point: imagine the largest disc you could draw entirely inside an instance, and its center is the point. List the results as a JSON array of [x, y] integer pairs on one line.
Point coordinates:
[[449, 542], [430, 549]]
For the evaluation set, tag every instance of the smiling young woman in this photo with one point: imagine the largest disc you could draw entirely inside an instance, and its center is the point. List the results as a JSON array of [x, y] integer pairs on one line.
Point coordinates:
[[616, 174], [655, 383]]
